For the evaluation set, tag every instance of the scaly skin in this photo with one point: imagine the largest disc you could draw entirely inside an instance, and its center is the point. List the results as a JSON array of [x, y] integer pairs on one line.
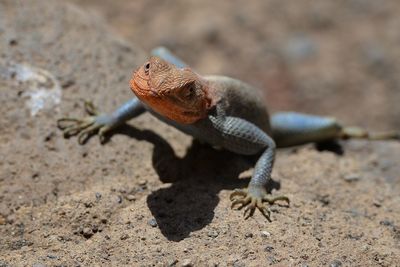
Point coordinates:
[[178, 94], [221, 111], [218, 110]]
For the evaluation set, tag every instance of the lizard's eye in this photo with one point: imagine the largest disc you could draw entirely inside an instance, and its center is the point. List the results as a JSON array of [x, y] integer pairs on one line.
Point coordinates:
[[190, 90], [147, 68]]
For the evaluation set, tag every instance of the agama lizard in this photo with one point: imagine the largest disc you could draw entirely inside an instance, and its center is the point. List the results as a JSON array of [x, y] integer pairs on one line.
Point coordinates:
[[221, 111]]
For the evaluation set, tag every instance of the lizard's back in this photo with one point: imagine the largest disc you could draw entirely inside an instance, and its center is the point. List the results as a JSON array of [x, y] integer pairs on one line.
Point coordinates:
[[239, 99], [233, 98]]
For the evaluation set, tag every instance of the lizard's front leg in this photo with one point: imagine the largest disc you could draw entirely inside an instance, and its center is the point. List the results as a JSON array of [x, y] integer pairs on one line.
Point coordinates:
[[243, 137], [256, 193], [102, 123], [98, 122]]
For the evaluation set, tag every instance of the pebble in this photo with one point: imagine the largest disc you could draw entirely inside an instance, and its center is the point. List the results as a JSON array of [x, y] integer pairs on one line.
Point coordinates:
[[124, 237], [98, 195], [67, 83], [248, 235], [323, 199], [142, 182], [118, 199], [352, 177], [35, 175], [376, 203], [187, 263], [172, 262], [87, 232], [11, 218], [152, 222], [13, 42], [265, 234], [386, 223], [269, 248], [212, 233], [131, 197], [52, 257], [336, 263], [272, 260]]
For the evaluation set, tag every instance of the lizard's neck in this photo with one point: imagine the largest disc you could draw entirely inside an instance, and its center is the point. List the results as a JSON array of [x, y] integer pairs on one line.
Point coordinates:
[[213, 91]]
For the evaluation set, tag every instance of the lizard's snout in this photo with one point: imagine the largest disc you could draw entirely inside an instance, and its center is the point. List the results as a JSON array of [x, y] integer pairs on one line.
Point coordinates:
[[139, 82]]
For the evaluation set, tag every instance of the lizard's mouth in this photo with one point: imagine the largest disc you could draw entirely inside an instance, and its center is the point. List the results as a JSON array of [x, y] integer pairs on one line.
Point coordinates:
[[163, 104]]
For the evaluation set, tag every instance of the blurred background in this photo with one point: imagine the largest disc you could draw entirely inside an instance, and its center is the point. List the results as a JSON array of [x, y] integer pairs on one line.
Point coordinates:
[[338, 58]]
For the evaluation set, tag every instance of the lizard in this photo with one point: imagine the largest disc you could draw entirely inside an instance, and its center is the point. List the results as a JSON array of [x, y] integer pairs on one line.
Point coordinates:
[[221, 111]]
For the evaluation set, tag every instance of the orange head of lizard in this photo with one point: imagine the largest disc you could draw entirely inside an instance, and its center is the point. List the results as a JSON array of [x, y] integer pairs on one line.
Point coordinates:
[[178, 94]]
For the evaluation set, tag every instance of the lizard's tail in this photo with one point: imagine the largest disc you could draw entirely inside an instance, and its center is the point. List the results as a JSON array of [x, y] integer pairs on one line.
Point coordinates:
[[292, 128], [357, 132]]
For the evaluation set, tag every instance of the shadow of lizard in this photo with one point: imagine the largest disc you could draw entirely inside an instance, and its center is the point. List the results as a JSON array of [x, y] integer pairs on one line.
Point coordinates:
[[188, 204]]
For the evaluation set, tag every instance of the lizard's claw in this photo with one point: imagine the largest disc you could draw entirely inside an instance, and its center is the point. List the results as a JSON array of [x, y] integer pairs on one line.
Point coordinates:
[[252, 198], [88, 126]]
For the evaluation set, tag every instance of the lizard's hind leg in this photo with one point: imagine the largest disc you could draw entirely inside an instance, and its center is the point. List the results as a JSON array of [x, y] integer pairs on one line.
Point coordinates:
[[168, 56], [291, 128]]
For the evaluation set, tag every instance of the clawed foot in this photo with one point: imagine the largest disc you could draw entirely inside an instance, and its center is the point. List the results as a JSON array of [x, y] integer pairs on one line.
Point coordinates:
[[86, 127], [252, 198]]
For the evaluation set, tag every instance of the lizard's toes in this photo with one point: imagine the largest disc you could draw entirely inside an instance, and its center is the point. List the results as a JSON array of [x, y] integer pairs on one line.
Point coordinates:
[[73, 126], [103, 133], [251, 207], [243, 201], [255, 198], [85, 134], [263, 209], [87, 127], [241, 193], [91, 109], [272, 200]]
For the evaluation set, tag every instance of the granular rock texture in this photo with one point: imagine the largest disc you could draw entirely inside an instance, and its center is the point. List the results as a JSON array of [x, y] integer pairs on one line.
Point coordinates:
[[152, 196]]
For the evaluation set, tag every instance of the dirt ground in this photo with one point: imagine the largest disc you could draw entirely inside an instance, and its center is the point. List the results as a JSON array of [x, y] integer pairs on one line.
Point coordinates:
[[62, 204]]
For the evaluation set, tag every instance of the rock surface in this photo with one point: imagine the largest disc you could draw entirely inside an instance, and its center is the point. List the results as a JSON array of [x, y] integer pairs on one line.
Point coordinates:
[[65, 204]]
